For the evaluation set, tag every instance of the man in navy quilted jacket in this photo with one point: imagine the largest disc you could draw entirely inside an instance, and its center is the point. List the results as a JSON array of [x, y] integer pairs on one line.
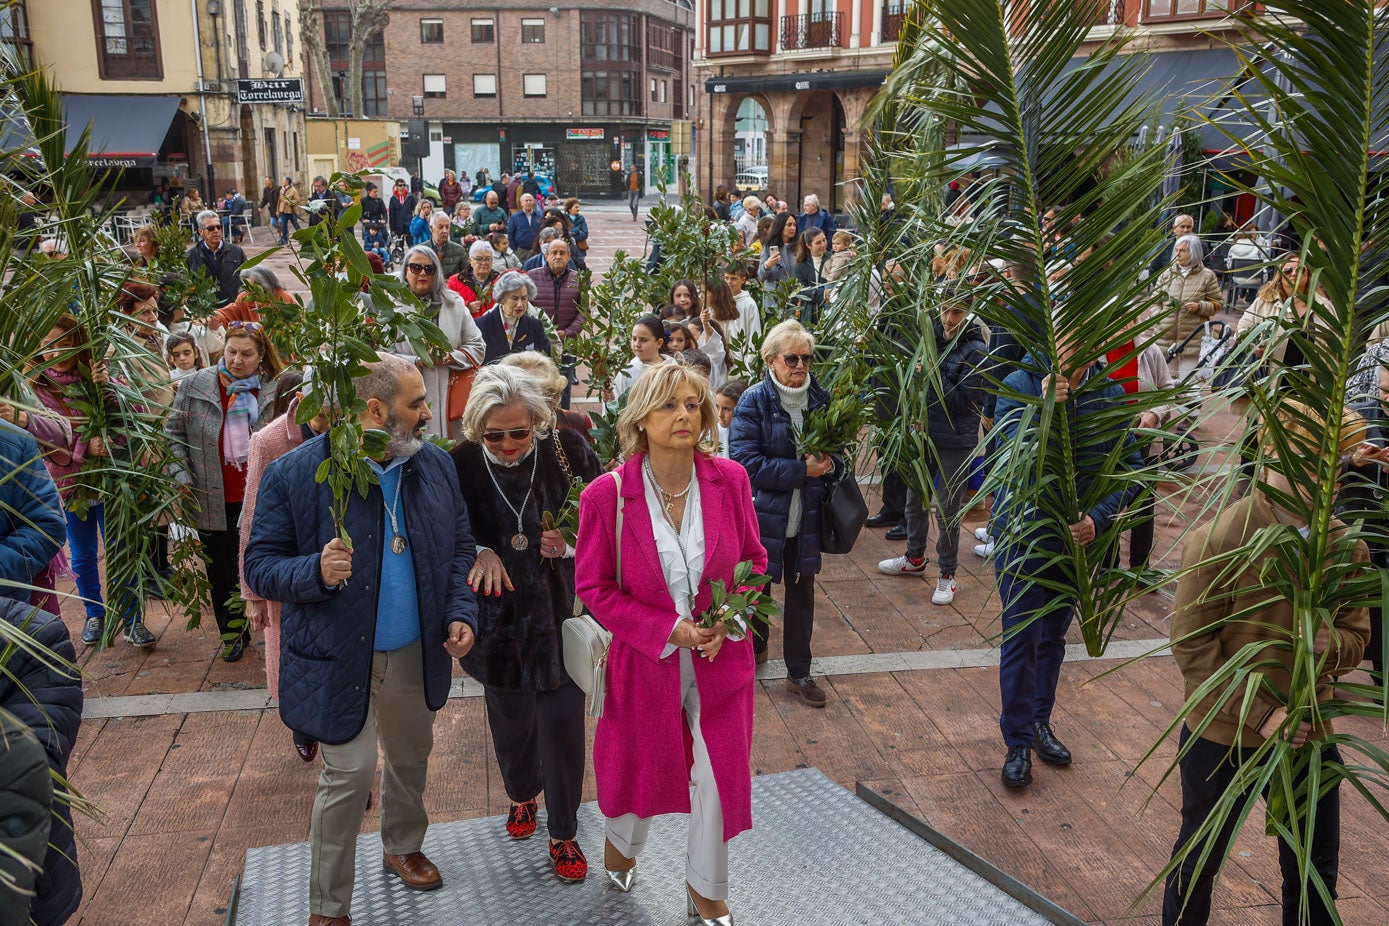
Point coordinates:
[[368, 628]]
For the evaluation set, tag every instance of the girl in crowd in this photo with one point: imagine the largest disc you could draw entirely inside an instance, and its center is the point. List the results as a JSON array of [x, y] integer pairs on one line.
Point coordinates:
[[778, 261], [725, 401], [513, 467], [215, 412], [419, 225], [684, 295], [67, 375], [719, 310], [679, 337], [421, 272], [181, 351], [810, 273], [679, 704], [788, 488], [649, 348], [506, 258]]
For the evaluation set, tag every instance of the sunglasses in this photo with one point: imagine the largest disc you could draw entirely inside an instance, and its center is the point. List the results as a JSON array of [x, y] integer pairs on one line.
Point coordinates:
[[212, 228], [427, 269], [496, 437], [796, 360], [252, 327]]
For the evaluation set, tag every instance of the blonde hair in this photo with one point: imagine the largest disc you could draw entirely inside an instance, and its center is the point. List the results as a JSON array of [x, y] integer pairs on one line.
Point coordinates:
[[539, 366], [654, 388], [497, 387], [783, 334]]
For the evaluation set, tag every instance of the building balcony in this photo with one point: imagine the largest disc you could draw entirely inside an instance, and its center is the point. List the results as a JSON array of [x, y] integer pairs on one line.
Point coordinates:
[[812, 30], [1158, 11], [894, 12]]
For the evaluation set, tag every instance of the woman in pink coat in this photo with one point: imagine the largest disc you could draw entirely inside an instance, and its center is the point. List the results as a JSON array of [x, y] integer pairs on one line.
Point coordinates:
[[268, 444], [679, 697]]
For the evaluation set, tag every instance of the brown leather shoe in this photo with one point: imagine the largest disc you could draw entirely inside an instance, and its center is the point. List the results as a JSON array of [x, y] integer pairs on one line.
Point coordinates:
[[418, 872], [316, 919], [806, 689], [307, 752]]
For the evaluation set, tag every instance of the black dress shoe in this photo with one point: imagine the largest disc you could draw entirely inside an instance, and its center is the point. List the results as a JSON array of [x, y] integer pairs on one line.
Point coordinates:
[[898, 532], [232, 652], [1017, 768], [882, 519], [1049, 749], [306, 746]]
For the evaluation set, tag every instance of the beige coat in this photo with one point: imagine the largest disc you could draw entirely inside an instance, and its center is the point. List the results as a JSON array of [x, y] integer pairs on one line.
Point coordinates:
[[1174, 324], [1262, 309], [290, 199]]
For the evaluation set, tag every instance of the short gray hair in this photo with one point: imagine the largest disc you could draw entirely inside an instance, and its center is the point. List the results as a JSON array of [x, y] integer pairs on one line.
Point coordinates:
[[498, 387], [548, 234], [424, 250], [481, 247], [511, 281], [382, 378], [208, 214], [787, 333], [434, 218], [261, 276]]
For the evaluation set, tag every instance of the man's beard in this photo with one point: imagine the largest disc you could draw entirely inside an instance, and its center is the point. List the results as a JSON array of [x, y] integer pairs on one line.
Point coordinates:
[[401, 442]]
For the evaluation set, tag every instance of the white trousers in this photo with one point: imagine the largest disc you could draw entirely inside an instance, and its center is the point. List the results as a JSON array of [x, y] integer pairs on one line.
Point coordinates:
[[706, 856]]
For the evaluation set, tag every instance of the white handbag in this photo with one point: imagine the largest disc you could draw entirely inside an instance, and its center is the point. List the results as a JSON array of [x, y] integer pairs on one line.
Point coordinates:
[[586, 641]]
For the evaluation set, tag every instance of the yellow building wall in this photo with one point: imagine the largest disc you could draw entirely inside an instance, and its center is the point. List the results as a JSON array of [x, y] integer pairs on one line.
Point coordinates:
[[64, 37]]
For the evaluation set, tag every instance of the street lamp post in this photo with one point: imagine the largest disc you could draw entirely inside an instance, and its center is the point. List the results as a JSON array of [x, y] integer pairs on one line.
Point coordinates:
[[418, 102]]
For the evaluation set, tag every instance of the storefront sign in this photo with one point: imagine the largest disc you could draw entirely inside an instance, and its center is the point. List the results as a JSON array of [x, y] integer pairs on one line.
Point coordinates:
[[282, 90], [583, 133], [658, 134]]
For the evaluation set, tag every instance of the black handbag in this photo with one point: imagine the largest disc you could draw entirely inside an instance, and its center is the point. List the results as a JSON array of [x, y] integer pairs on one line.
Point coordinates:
[[842, 513]]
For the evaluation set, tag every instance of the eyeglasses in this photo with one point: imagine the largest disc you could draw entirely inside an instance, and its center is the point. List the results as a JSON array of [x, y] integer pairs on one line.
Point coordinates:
[[796, 360], [427, 269], [252, 327], [213, 228], [496, 437], [483, 260]]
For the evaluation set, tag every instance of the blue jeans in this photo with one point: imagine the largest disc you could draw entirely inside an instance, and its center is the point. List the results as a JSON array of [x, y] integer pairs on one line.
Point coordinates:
[[287, 219], [85, 536], [1034, 643]]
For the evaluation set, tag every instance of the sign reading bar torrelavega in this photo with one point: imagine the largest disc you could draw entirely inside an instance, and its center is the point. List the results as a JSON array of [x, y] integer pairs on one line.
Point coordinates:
[[279, 90]]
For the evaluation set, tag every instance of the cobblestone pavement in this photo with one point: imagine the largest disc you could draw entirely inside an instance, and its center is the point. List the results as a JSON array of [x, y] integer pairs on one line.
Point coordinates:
[[190, 766]]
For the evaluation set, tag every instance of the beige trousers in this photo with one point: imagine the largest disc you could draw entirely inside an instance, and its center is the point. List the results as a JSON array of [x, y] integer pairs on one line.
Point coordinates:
[[706, 854], [399, 719]]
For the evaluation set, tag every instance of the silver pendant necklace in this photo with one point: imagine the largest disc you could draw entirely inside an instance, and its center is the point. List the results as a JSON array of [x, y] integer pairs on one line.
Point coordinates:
[[668, 515], [518, 539], [398, 542]]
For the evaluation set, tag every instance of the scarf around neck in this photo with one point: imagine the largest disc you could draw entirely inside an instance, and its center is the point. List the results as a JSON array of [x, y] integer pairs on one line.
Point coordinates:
[[236, 427]]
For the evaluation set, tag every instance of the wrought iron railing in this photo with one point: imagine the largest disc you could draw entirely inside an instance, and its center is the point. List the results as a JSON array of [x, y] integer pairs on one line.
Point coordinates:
[[812, 30], [893, 15]]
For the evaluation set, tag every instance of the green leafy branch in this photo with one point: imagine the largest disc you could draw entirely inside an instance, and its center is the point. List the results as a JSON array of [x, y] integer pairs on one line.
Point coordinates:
[[737, 609]]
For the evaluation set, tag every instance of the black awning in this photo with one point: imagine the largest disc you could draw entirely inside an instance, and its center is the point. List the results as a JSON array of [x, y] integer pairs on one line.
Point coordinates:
[[126, 131], [806, 83]]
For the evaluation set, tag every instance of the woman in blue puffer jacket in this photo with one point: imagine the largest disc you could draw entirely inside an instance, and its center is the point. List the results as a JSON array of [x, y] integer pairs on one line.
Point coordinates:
[[787, 489]]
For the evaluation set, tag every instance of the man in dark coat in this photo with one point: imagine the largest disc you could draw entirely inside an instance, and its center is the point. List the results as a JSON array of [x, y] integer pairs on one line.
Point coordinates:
[[373, 207], [401, 208], [42, 710], [365, 663], [270, 203], [1031, 559], [524, 226], [216, 257]]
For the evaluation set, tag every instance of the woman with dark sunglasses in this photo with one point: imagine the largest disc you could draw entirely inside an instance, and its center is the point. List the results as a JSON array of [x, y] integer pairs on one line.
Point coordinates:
[[421, 271], [514, 467], [787, 489]]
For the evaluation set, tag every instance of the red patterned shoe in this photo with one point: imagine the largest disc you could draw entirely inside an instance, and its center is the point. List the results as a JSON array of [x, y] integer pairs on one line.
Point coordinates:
[[570, 864], [520, 821]]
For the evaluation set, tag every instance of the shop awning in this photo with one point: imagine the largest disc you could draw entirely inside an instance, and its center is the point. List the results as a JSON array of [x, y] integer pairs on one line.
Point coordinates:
[[805, 83], [126, 131]]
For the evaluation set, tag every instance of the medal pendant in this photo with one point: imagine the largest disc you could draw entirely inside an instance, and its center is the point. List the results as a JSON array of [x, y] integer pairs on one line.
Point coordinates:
[[519, 542], [398, 544]]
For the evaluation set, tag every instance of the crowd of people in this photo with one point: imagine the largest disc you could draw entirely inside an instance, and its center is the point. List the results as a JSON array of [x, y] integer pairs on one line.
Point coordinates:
[[459, 554]]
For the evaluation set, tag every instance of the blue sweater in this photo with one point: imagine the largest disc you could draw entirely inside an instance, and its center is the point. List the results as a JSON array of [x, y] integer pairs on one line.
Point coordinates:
[[398, 609]]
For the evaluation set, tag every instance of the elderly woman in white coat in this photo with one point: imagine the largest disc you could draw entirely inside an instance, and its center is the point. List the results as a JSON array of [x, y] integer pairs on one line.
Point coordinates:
[[422, 273]]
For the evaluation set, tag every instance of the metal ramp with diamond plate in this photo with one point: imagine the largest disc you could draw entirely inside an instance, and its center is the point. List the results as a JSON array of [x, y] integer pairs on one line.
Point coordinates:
[[816, 854]]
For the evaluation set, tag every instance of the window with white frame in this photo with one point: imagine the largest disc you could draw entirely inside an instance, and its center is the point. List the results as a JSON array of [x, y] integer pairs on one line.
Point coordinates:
[[435, 86], [484, 85], [533, 85], [484, 31]]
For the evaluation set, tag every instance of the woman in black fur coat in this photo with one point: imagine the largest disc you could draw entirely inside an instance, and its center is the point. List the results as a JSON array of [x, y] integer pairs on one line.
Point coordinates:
[[514, 466]]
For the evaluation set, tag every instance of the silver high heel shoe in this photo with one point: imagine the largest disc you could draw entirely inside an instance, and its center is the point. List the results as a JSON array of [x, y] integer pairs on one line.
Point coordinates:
[[725, 920], [624, 881]]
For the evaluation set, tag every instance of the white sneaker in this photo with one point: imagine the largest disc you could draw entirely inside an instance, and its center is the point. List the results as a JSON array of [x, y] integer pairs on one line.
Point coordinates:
[[981, 534], [984, 550], [945, 590], [901, 566]]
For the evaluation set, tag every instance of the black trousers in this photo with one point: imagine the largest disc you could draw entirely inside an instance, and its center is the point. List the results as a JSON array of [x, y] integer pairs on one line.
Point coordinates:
[[894, 495], [797, 614], [223, 549], [1206, 772], [539, 740]]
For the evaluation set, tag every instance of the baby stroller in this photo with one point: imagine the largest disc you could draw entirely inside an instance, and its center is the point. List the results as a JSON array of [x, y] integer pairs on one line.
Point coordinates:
[[1180, 452]]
